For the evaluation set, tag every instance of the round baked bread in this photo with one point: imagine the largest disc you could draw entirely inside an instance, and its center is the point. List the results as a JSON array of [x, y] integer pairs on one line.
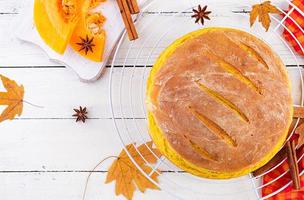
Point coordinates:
[[219, 103]]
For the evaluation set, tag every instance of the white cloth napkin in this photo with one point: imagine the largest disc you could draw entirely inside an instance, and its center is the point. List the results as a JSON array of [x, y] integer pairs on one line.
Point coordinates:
[[86, 70]]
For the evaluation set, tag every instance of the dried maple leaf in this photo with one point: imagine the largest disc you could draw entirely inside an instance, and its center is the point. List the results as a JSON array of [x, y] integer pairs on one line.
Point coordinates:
[[128, 176], [12, 98], [262, 11]]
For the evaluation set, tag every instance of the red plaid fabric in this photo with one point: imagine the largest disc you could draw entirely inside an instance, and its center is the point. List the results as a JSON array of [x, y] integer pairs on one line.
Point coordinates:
[[288, 193], [293, 28]]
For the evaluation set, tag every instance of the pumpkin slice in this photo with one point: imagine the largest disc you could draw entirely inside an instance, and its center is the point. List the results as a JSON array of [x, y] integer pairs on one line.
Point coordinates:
[[88, 38], [46, 30], [65, 14], [56, 19]]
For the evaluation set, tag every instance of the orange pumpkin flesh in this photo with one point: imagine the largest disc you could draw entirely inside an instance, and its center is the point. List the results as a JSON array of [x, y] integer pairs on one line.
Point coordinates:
[[95, 3], [88, 38], [56, 19], [65, 14], [53, 39], [60, 22]]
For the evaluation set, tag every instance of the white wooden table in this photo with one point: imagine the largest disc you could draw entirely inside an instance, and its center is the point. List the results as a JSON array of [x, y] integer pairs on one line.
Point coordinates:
[[44, 154]]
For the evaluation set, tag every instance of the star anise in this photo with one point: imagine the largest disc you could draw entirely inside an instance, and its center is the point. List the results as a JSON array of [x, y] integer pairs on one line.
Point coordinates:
[[81, 114], [86, 44], [201, 14]]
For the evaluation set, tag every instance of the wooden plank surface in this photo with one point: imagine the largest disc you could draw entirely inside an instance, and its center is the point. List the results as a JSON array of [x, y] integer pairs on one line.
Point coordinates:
[[63, 185], [43, 153], [15, 53]]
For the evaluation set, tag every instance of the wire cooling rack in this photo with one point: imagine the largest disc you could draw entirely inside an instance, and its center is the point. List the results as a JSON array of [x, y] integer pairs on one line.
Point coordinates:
[[130, 68]]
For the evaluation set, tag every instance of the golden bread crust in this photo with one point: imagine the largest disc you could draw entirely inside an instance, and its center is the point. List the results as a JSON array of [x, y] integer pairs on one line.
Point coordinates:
[[222, 100]]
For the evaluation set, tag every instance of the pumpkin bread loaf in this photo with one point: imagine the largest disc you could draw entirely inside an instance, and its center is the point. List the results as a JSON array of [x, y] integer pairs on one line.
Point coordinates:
[[219, 103]]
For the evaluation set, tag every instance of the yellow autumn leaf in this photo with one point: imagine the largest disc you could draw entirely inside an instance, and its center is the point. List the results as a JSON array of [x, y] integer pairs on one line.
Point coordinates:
[[127, 175], [12, 98], [262, 11]]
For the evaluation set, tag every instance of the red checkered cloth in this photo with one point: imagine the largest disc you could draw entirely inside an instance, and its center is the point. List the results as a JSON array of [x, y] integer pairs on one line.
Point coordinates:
[[295, 29], [288, 193]]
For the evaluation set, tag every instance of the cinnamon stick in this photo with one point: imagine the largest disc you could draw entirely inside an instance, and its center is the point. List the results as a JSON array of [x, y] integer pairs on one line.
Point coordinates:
[[127, 19], [293, 164], [273, 162], [133, 6]]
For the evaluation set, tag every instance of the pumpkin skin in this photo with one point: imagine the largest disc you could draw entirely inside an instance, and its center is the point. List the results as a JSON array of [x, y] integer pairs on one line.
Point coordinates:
[[56, 19], [90, 28]]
